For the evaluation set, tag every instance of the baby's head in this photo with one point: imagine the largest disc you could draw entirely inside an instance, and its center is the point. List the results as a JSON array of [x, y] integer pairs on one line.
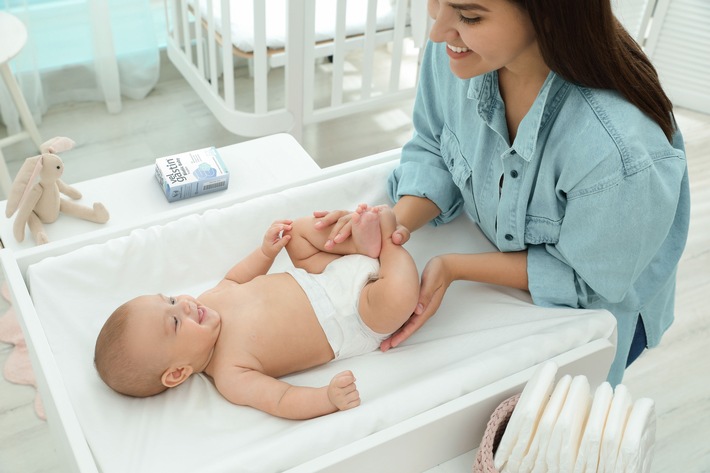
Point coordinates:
[[155, 342]]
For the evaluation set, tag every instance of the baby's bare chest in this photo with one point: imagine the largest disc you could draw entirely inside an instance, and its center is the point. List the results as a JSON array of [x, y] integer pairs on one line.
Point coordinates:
[[269, 325]]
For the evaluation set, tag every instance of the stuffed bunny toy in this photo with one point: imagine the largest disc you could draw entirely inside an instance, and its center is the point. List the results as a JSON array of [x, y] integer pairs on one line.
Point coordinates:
[[35, 194]]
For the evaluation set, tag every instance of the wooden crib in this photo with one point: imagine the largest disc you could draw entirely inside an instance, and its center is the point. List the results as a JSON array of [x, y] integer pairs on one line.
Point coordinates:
[[271, 66]]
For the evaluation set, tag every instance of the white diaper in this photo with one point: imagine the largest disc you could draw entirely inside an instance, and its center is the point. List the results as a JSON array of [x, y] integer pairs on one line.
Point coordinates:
[[334, 295]]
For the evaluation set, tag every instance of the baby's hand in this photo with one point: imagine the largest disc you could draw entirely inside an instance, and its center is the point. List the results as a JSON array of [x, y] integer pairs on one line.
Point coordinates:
[[276, 238], [342, 391]]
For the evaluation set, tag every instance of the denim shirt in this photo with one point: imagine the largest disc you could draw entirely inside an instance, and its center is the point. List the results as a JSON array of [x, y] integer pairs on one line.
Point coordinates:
[[591, 188]]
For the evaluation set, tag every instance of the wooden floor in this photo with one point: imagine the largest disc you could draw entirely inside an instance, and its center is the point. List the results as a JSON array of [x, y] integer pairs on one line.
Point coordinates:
[[172, 119]]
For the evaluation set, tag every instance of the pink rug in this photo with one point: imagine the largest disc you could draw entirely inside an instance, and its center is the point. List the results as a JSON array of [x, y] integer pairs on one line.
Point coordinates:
[[18, 368]]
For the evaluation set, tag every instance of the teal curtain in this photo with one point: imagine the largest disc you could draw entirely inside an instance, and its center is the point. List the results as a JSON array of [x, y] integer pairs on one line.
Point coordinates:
[[82, 50]]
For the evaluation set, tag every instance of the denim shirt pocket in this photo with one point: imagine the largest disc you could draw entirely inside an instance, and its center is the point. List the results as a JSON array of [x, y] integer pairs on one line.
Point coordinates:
[[460, 170]]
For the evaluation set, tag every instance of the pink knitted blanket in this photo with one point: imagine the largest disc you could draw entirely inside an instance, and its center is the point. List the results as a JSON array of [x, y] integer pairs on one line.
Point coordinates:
[[18, 368]]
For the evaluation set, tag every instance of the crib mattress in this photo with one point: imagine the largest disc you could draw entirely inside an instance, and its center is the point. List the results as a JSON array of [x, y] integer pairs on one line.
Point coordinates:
[[480, 335], [242, 20]]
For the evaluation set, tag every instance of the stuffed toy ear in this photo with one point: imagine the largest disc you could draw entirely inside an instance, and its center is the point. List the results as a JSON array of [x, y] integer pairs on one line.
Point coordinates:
[[57, 144], [23, 182]]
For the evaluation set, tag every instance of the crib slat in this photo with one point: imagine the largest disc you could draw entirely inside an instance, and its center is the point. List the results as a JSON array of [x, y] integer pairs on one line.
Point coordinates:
[[260, 63], [199, 45], [227, 59], [368, 58], [186, 40], [308, 46], [398, 44], [295, 65], [336, 94], [212, 49]]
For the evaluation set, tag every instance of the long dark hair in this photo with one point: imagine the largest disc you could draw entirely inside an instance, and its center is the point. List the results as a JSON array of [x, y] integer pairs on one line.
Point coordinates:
[[584, 43]]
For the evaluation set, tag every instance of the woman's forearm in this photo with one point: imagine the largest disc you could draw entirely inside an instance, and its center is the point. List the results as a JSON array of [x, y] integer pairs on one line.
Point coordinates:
[[414, 212], [503, 269]]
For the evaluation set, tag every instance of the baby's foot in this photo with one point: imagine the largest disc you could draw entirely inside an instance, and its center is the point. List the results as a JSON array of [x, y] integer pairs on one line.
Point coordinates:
[[366, 231]]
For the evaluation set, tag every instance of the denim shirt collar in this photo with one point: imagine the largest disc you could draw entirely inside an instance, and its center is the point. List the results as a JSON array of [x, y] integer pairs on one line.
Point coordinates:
[[484, 90]]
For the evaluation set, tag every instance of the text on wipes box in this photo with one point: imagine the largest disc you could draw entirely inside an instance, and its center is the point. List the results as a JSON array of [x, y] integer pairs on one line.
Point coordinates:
[[192, 173]]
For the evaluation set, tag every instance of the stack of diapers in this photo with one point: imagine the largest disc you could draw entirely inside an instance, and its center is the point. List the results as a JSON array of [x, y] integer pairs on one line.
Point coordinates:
[[563, 428]]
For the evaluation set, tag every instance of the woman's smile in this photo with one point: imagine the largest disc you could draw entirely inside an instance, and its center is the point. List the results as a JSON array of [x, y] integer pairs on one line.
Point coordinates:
[[457, 52]]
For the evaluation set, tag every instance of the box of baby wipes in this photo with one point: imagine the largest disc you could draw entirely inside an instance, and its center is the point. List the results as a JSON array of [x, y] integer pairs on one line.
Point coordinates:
[[192, 173]]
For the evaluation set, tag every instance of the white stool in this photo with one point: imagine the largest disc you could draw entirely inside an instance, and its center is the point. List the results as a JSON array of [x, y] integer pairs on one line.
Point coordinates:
[[13, 36]]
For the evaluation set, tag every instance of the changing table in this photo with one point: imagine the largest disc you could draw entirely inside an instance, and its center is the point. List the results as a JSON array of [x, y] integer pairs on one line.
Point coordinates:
[[426, 402]]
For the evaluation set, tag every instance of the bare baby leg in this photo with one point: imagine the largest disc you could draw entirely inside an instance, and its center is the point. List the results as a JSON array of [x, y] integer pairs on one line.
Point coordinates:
[[385, 304], [307, 246]]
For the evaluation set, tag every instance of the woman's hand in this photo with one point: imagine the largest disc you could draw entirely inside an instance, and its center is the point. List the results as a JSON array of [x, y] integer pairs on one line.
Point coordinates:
[[436, 279], [341, 222], [401, 235]]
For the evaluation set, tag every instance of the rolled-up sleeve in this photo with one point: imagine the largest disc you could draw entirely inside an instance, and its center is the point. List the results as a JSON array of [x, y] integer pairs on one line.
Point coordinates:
[[422, 171], [551, 280], [426, 177]]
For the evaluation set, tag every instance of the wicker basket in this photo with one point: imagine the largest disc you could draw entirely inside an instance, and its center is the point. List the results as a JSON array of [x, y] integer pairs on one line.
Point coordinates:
[[492, 435]]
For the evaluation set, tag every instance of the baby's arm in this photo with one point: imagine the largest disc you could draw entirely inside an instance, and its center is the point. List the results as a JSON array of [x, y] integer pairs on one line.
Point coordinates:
[[249, 387], [259, 261]]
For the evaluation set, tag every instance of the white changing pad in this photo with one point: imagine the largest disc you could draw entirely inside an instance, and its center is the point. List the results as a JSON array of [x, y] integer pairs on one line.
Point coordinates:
[[242, 20], [480, 335]]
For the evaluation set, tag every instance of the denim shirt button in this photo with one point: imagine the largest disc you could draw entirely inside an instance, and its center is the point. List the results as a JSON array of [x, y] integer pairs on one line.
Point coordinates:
[[509, 237], [512, 151], [513, 173]]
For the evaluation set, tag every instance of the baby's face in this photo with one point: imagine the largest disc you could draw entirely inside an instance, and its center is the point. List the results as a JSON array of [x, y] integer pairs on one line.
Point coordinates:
[[177, 330]]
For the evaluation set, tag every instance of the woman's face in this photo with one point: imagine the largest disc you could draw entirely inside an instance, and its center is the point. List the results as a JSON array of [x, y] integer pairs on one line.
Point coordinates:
[[483, 35]]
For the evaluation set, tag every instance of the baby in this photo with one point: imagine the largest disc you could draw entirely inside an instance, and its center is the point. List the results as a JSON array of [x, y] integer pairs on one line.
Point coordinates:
[[254, 327]]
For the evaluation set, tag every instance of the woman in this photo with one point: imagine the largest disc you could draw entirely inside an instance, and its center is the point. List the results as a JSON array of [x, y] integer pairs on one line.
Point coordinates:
[[544, 121]]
